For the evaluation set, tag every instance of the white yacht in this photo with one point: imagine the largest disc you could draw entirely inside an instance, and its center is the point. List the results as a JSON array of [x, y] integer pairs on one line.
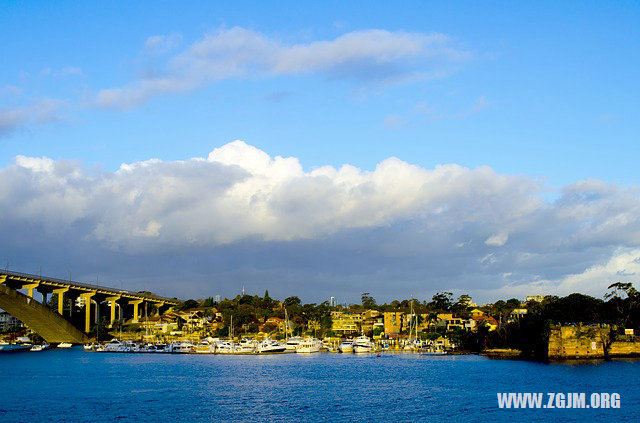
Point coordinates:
[[248, 343], [271, 346], [309, 345], [225, 347], [293, 343], [205, 347], [113, 346], [245, 347], [346, 347], [362, 344], [41, 347], [64, 345], [181, 347]]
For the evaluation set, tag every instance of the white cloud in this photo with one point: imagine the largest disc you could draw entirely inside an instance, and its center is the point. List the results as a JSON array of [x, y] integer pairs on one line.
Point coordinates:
[[160, 44], [43, 111], [497, 240], [374, 55], [622, 265], [398, 225]]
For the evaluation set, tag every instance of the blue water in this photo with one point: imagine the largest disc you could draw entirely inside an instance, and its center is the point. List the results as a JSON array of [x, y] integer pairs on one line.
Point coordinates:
[[73, 385]]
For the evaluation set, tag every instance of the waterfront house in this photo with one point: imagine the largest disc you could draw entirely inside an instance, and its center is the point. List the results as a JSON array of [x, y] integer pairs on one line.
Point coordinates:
[[454, 322], [346, 323], [372, 322], [516, 314], [534, 298], [488, 321], [393, 322], [476, 312], [275, 322]]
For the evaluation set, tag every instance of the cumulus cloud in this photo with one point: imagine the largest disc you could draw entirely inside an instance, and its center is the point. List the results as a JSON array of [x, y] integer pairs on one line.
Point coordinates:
[[240, 214], [497, 240], [370, 55], [160, 44], [622, 265], [43, 111]]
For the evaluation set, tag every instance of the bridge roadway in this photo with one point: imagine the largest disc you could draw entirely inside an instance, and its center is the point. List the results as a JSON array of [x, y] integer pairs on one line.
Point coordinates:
[[127, 301]]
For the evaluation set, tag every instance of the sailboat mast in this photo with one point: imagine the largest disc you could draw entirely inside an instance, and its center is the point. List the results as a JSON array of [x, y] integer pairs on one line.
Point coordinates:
[[286, 325]]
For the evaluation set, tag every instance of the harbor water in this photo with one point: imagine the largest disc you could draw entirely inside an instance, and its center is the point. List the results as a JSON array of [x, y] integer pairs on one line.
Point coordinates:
[[74, 385]]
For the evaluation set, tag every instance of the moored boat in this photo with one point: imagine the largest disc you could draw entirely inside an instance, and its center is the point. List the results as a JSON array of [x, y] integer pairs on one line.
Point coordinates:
[[113, 346], [362, 344], [270, 346], [64, 345], [181, 347], [205, 347], [309, 345], [40, 347], [346, 347], [293, 343]]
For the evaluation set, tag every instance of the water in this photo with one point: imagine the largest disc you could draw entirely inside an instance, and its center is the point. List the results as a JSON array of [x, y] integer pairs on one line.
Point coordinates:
[[73, 385]]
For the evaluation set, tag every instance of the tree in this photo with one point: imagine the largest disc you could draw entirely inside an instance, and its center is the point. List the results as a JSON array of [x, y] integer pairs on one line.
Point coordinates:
[[292, 301], [368, 301], [269, 328], [442, 301], [188, 305], [461, 307], [618, 288]]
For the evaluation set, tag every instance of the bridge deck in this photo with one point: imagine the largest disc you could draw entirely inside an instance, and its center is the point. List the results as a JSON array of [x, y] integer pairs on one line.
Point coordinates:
[[79, 286]]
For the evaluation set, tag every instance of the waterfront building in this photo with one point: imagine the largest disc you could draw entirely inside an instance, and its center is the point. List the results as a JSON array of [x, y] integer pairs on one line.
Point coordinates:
[[346, 323], [372, 322], [476, 312], [454, 322], [393, 322], [488, 321], [516, 314], [536, 298], [276, 322]]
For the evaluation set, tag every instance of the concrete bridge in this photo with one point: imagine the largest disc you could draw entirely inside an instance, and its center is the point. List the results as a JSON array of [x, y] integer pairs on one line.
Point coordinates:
[[77, 304]]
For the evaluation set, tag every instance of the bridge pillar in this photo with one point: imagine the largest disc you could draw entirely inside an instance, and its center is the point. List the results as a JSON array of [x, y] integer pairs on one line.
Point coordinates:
[[135, 304], [29, 287], [158, 305], [112, 302], [60, 293], [87, 309]]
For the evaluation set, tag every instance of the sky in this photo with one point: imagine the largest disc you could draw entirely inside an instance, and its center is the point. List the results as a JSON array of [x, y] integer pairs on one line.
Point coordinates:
[[322, 149]]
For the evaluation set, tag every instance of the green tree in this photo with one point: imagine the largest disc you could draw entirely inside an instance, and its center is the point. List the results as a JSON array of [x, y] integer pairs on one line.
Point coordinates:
[[292, 301], [442, 301], [189, 304], [368, 301]]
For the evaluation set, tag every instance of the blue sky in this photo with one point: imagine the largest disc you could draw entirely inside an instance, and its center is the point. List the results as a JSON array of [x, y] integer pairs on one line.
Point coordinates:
[[543, 91]]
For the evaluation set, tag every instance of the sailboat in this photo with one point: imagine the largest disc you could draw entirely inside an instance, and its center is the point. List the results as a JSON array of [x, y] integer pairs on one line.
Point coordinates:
[[412, 343], [292, 343]]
